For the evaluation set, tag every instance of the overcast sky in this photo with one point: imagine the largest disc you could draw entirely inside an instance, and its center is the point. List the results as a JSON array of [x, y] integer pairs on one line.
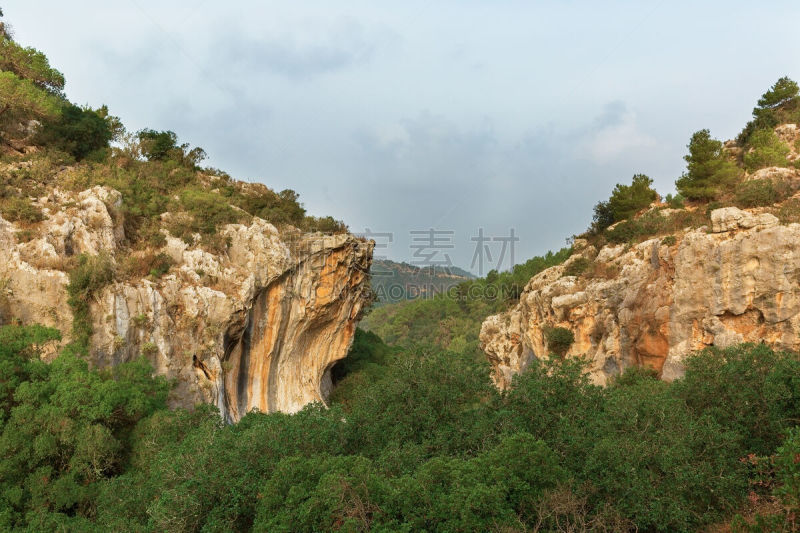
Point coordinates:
[[405, 116]]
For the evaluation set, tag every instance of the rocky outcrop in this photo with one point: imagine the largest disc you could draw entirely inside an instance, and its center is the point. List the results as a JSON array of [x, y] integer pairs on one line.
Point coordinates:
[[653, 303], [256, 326]]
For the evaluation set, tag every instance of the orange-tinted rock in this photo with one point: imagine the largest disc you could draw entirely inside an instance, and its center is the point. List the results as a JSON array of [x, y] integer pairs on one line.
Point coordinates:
[[736, 283], [255, 327]]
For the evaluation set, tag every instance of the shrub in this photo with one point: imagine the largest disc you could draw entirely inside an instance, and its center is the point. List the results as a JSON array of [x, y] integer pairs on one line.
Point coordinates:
[[708, 168], [80, 132], [766, 150], [654, 223], [558, 340], [675, 202], [208, 210], [669, 240], [787, 470], [92, 274], [758, 193], [21, 209], [149, 349], [665, 468], [160, 265], [163, 146], [157, 145], [67, 434], [577, 267], [750, 389], [625, 201]]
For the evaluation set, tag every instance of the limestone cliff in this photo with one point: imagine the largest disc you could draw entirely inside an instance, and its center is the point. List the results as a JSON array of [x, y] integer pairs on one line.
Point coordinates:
[[652, 303], [258, 325]]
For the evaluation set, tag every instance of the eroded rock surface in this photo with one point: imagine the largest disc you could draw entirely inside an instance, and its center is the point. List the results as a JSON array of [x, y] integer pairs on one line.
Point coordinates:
[[257, 326], [655, 302]]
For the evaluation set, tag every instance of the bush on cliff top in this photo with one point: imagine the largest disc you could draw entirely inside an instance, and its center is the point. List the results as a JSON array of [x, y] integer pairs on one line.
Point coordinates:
[[625, 201]]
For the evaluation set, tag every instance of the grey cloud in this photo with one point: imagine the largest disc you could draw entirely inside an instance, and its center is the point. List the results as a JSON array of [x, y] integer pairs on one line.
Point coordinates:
[[300, 55], [612, 115]]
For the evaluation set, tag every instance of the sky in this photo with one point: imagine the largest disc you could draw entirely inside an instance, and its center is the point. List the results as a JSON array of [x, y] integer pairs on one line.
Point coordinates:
[[468, 118]]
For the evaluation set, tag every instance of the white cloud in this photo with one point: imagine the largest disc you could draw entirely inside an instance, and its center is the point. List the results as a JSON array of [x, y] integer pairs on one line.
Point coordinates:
[[617, 136]]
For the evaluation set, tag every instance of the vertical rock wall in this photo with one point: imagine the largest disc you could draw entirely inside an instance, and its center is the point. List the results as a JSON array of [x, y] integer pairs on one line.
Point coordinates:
[[653, 303]]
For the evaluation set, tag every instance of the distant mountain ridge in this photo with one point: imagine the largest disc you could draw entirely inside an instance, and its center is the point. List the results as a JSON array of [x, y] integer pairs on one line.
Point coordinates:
[[396, 282]]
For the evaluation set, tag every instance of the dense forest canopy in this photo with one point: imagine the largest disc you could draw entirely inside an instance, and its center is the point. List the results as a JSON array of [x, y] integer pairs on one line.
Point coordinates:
[[416, 438]]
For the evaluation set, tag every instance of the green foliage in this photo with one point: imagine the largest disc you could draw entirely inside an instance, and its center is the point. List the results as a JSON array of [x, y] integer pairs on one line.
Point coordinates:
[[30, 64], [749, 389], [80, 132], [454, 319], [787, 470], [22, 100], [781, 93], [364, 363], [20, 209], [708, 168], [29, 87], [625, 201], [559, 340], [160, 265], [779, 104], [163, 146], [90, 275], [157, 145], [674, 202], [760, 193], [577, 266], [64, 430], [766, 150], [415, 439], [208, 210], [667, 469], [652, 224], [18, 346]]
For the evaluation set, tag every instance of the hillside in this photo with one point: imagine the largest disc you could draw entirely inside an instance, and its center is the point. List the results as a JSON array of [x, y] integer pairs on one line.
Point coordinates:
[[173, 342], [451, 320], [127, 246], [396, 282], [651, 281]]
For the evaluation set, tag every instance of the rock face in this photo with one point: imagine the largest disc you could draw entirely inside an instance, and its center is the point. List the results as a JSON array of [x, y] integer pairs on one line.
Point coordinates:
[[653, 303], [257, 326]]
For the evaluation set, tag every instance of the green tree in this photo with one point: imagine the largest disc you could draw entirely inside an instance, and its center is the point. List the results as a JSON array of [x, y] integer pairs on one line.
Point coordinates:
[[772, 108], [30, 64], [603, 217], [781, 93], [29, 87], [750, 389], [157, 145], [625, 201], [766, 150], [708, 168], [23, 100], [77, 131], [64, 429]]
